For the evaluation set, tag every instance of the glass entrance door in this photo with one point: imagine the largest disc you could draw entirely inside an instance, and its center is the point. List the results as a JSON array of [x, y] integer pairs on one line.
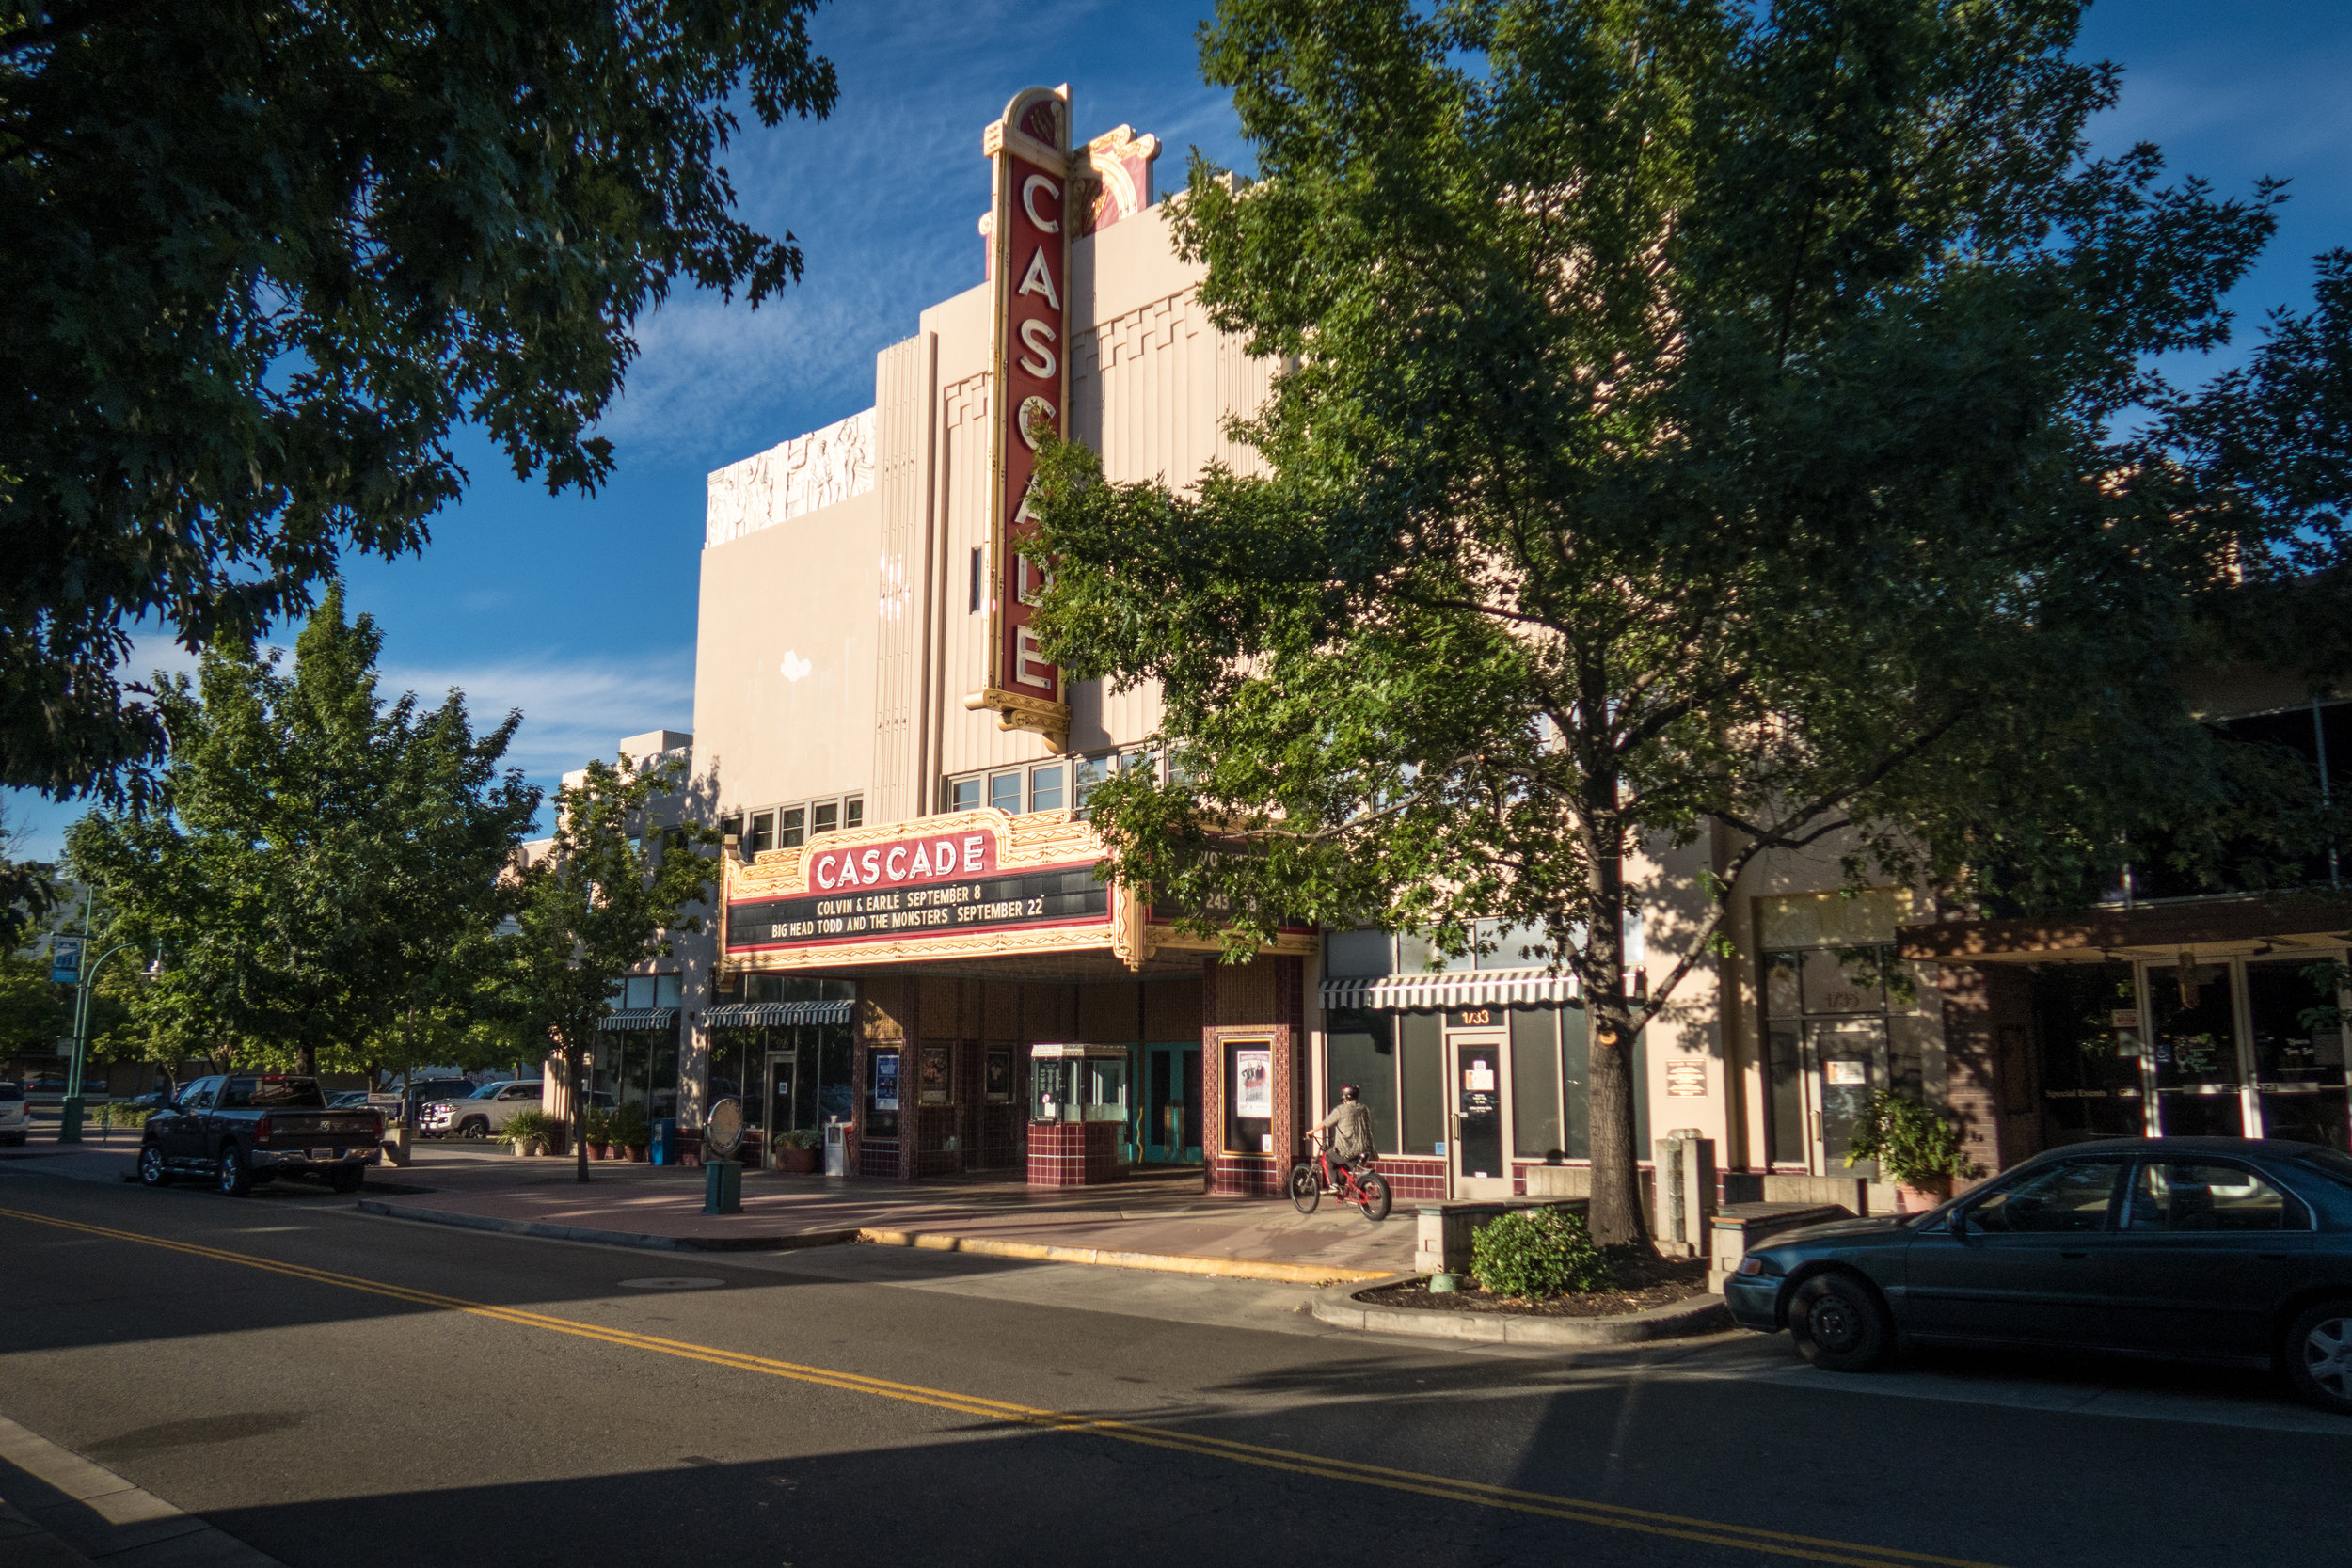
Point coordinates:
[[776, 1099], [1845, 1059], [1171, 1105], [1475, 1152], [2249, 1048]]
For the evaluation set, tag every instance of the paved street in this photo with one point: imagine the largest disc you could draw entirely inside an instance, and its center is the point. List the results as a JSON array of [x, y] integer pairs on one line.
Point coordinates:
[[338, 1389]]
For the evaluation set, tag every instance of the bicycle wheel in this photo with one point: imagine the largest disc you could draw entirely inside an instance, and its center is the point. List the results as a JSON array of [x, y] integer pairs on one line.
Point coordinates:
[[1306, 1192], [1376, 1200]]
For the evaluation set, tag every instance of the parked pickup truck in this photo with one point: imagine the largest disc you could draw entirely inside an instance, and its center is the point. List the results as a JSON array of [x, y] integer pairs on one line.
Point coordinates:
[[486, 1111], [248, 1126]]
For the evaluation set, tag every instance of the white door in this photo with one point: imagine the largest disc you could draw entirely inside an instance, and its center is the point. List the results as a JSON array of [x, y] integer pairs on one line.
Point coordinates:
[[1478, 1149]]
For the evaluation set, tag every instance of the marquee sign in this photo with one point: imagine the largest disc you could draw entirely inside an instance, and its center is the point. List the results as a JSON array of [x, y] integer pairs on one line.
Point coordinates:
[[1031, 214], [968, 883]]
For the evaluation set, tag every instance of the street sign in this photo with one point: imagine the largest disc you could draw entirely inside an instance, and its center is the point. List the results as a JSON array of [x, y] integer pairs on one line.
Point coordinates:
[[65, 961]]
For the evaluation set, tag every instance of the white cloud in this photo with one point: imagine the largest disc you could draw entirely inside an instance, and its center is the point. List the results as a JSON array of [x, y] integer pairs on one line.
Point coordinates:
[[573, 709]]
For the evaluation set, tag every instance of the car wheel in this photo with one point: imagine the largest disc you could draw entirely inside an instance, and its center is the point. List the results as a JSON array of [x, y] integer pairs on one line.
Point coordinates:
[[1839, 1323], [2319, 1356], [236, 1181], [153, 1172], [474, 1126]]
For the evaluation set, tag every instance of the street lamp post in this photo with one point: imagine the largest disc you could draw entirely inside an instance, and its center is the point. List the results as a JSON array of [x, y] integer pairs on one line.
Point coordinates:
[[70, 1111]]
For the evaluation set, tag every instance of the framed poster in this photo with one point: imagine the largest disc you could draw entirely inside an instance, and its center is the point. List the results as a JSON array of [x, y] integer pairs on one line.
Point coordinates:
[[934, 1084], [885, 1079], [1253, 1082], [999, 1084]]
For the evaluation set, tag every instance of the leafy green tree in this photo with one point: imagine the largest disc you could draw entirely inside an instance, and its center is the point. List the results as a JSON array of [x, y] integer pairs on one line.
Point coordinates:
[[613, 889], [29, 889], [318, 860], [257, 257], [1703, 427]]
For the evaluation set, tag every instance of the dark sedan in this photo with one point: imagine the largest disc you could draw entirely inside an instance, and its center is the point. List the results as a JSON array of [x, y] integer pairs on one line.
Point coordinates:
[[2211, 1249]]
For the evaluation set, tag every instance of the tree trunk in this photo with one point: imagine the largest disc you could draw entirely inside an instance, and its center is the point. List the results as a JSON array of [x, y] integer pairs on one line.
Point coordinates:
[[574, 1065], [306, 1060], [1615, 1216]]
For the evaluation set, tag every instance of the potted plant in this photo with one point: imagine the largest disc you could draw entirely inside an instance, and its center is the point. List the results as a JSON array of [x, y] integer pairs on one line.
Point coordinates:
[[530, 1132], [796, 1151], [1917, 1149], [597, 1127], [631, 1132]]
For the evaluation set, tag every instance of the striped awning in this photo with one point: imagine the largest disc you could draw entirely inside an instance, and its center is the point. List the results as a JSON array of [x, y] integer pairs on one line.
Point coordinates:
[[639, 1018], [737, 1015], [1490, 988]]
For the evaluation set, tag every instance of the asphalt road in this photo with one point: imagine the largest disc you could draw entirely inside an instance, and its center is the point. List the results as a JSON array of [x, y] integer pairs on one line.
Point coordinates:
[[342, 1392]]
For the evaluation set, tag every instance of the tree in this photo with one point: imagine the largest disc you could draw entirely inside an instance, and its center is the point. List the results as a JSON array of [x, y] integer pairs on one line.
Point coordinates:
[[611, 890], [318, 860], [29, 889], [1697, 419], [257, 257]]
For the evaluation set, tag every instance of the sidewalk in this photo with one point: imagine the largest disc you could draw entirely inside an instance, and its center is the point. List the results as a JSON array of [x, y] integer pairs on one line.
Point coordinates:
[[1155, 1222]]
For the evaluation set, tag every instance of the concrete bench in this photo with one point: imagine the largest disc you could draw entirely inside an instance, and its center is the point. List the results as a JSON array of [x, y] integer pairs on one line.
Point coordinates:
[[1740, 1226]]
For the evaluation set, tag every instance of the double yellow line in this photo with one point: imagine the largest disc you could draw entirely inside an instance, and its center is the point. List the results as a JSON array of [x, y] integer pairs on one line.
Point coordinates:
[[1545, 1505]]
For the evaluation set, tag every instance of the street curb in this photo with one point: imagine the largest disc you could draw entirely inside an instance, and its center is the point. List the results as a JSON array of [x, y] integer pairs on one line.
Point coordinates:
[[608, 1238], [1677, 1320], [79, 1511], [1164, 1263]]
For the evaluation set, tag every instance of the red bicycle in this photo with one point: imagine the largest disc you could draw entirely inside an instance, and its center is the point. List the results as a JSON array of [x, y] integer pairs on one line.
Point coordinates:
[[1367, 1188]]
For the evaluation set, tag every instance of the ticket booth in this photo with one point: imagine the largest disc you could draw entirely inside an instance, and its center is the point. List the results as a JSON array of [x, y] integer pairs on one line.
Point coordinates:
[[1078, 1097]]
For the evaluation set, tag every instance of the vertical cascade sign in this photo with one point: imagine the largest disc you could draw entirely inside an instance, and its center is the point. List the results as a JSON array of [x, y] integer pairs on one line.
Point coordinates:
[[1029, 360]]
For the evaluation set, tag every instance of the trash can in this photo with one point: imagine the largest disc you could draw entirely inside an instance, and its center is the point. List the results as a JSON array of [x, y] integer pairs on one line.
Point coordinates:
[[664, 1149]]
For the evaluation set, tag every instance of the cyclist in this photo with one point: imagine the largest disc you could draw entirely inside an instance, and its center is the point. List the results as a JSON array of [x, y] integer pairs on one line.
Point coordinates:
[[1349, 1129]]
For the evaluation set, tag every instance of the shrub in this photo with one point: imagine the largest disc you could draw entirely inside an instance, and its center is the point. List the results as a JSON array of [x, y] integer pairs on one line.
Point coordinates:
[[596, 1125], [1913, 1146], [629, 1127], [534, 1128], [800, 1137], [122, 1112], [1538, 1252]]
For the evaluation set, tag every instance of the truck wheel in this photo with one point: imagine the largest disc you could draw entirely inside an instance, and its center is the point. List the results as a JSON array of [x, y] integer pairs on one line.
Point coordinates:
[[1839, 1323], [152, 1171], [236, 1181], [474, 1126], [346, 1178]]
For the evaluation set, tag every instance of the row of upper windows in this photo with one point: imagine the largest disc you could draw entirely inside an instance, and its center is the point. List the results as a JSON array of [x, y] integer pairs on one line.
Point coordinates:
[[1066, 782], [790, 827]]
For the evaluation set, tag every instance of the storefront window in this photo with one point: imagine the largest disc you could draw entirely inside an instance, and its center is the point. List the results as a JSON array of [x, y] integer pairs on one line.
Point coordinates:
[[1535, 1085], [1421, 1073], [2089, 1066], [2298, 1052], [1363, 1051]]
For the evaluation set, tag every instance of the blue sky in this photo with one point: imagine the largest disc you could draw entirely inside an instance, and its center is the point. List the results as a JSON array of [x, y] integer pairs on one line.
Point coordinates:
[[580, 610]]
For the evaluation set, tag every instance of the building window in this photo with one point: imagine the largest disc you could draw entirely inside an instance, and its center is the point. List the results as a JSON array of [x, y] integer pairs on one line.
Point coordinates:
[[1086, 776], [976, 580], [853, 811], [964, 794], [795, 830], [1045, 789], [827, 817], [732, 827], [1004, 792], [763, 833]]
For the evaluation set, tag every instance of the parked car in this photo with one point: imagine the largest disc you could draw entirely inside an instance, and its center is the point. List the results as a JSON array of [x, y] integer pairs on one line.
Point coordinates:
[[16, 1112], [2208, 1249], [43, 1086], [486, 1111], [346, 1099], [244, 1126]]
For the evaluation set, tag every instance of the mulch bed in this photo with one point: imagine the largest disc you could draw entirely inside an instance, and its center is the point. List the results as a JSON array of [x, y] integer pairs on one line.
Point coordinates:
[[1642, 1282]]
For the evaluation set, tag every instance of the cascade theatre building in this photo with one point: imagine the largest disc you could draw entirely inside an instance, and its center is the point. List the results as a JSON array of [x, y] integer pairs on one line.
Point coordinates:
[[914, 948]]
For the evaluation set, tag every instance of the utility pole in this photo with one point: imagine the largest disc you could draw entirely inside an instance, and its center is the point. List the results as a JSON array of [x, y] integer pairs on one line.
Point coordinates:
[[84, 975]]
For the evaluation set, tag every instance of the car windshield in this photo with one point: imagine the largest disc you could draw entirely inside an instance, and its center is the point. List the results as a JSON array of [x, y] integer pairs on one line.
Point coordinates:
[[488, 1091], [10, 1091], [300, 1094], [2328, 1162]]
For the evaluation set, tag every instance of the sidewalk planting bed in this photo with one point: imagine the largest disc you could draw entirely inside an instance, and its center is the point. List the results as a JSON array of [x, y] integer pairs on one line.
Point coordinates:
[[1638, 1283]]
